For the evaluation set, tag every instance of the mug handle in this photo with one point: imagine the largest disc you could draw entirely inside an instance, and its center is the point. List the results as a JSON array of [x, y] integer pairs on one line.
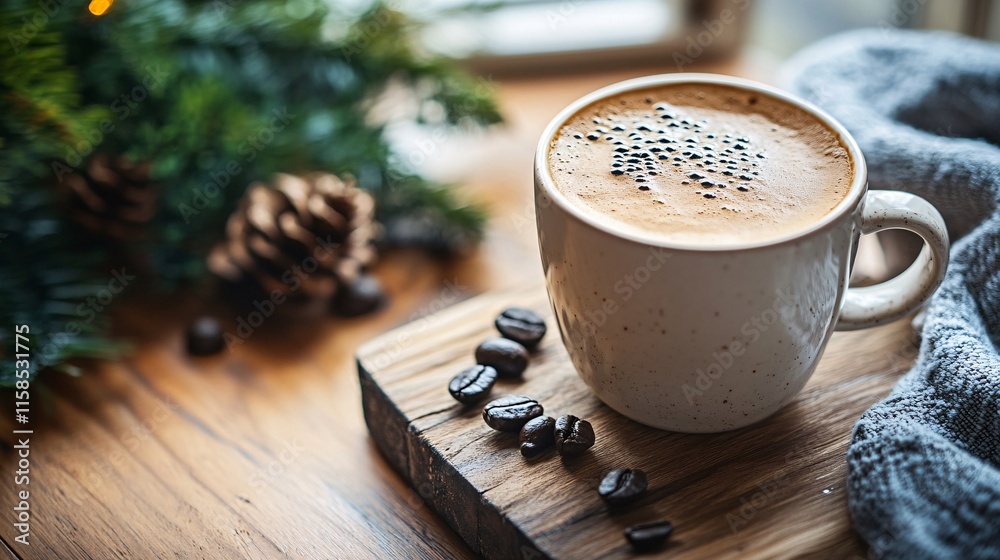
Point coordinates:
[[893, 299]]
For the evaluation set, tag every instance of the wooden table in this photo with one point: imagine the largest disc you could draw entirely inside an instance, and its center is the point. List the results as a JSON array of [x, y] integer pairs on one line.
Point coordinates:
[[263, 452]]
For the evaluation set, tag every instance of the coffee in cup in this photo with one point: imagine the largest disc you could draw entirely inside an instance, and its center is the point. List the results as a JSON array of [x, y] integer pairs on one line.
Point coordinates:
[[700, 164]]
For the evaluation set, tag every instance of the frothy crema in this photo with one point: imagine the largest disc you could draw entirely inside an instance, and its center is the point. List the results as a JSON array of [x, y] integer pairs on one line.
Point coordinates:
[[700, 164]]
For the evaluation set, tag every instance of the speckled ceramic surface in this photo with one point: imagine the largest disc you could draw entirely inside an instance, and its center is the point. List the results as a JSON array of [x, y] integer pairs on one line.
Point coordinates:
[[707, 339]]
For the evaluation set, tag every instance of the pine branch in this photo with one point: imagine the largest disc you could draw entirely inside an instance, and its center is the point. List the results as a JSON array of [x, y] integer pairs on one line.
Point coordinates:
[[216, 94], [231, 69], [45, 283]]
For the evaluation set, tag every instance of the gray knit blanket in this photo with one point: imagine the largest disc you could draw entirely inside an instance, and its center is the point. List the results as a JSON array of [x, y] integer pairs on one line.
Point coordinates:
[[924, 464]]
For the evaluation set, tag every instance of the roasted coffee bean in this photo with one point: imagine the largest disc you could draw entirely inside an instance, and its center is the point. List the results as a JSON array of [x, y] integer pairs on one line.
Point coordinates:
[[359, 297], [473, 384], [537, 436], [622, 486], [647, 537], [573, 436], [204, 337], [506, 356], [511, 413], [521, 325]]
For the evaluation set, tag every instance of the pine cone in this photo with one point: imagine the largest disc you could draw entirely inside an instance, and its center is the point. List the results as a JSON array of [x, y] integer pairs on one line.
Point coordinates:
[[306, 237], [113, 196]]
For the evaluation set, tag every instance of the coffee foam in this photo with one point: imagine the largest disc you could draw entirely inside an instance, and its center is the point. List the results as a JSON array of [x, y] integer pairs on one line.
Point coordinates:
[[700, 164]]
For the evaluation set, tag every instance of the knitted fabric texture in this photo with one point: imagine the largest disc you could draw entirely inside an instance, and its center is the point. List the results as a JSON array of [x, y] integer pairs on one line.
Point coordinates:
[[924, 464]]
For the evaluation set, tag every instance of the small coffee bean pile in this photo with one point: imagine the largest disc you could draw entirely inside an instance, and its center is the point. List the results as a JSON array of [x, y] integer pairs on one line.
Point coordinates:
[[507, 357], [569, 435], [503, 357], [497, 357]]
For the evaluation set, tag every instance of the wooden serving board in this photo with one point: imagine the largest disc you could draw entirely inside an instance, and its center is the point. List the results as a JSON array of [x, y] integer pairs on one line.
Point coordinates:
[[773, 490]]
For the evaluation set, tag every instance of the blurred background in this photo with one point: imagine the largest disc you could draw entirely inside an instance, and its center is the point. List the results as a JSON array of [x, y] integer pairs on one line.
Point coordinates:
[[524, 35], [521, 42]]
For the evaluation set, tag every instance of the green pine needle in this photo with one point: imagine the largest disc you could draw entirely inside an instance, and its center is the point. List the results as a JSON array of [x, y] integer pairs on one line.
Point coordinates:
[[216, 94]]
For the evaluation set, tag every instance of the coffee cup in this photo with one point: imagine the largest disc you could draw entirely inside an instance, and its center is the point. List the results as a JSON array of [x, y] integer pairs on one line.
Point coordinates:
[[697, 234]]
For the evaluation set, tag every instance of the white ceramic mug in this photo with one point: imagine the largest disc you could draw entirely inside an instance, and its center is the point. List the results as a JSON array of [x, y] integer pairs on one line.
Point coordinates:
[[708, 339]]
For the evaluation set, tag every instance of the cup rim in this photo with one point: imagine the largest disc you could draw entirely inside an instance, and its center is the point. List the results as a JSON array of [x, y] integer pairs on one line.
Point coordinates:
[[845, 207]]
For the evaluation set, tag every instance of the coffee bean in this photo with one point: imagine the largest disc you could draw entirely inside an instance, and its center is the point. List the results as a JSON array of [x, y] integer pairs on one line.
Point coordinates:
[[510, 413], [537, 436], [573, 435], [204, 337], [509, 358], [647, 537], [622, 486], [359, 297], [473, 384]]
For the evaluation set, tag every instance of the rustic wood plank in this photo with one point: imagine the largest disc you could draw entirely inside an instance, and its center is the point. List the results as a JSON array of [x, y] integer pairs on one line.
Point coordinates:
[[773, 490]]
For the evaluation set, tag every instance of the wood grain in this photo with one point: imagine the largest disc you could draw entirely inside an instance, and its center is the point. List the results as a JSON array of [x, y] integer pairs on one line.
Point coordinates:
[[258, 453], [773, 490]]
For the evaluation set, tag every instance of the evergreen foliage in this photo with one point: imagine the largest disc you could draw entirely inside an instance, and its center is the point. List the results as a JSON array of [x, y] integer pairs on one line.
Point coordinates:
[[216, 94]]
